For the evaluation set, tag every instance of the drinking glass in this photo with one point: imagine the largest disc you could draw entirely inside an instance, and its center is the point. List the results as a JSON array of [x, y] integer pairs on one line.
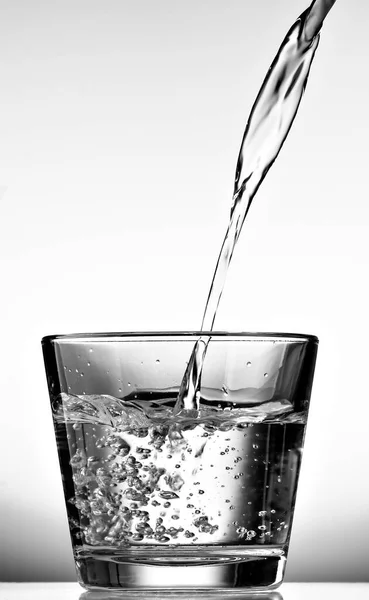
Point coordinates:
[[160, 497]]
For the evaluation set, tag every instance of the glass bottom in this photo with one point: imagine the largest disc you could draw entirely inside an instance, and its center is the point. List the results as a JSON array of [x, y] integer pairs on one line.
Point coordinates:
[[189, 568]]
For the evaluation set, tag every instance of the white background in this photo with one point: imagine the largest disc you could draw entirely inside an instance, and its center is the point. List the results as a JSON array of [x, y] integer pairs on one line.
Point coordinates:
[[120, 125]]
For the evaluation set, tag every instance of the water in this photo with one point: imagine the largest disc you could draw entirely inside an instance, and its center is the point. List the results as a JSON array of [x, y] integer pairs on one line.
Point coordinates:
[[179, 478], [140, 476], [270, 120]]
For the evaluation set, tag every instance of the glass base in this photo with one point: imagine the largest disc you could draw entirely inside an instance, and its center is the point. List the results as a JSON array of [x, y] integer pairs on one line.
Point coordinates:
[[186, 569]]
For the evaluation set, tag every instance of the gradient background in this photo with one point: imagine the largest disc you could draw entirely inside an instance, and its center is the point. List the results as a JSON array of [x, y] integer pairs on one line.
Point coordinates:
[[120, 125]]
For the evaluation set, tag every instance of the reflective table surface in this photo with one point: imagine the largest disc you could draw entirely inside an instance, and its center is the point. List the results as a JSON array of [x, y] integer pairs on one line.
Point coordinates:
[[287, 591]]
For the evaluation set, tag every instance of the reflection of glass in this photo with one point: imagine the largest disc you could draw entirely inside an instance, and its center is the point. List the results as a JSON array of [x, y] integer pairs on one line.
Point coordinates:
[[185, 595], [199, 499]]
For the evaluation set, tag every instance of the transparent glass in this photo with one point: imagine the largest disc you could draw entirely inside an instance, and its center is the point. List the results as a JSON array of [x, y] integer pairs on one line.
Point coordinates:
[[191, 500]]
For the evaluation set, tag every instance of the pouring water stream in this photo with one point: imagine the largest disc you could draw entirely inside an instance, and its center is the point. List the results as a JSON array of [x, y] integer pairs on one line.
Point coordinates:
[[270, 120]]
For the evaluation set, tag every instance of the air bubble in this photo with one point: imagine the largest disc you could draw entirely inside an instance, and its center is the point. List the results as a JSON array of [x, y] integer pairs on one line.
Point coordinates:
[[161, 529], [262, 513], [265, 374], [189, 534], [168, 495], [255, 446], [157, 360], [248, 364]]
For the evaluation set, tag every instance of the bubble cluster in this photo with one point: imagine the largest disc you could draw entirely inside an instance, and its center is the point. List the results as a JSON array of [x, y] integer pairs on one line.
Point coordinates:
[[144, 480], [114, 492]]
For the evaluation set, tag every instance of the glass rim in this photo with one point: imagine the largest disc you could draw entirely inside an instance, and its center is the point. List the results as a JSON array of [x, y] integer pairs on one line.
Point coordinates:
[[156, 335]]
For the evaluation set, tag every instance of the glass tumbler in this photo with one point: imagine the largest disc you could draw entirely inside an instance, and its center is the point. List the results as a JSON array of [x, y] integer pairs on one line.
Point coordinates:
[[159, 498]]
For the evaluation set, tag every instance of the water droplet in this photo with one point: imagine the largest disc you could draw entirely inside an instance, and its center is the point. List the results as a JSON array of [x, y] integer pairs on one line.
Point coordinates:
[[262, 513], [248, 364]]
